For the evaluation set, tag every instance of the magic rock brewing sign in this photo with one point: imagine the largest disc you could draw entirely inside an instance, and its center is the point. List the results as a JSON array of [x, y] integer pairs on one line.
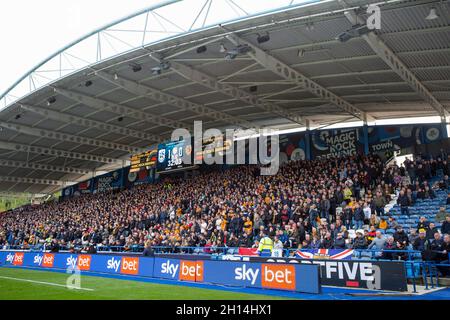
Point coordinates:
[[333, 145]]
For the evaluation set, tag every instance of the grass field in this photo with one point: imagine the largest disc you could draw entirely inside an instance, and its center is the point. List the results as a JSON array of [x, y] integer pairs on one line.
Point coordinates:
[[20, 284]]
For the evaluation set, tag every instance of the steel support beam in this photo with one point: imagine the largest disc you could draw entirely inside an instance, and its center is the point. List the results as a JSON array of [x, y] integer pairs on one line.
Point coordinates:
[[40, 166], [32, 181], [234, 92], [101, 104], [103, 126], [65, 137], [183, 104], [391, 59], [56, 152], [283, 70]]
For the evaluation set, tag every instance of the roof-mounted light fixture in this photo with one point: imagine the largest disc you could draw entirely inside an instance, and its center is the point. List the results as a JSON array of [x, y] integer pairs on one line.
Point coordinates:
[[356, 31], [263, 38], [432, 15]]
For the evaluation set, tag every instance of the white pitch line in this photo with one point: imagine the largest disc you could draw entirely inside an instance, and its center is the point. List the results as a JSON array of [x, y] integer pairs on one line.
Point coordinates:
[[47, 283]]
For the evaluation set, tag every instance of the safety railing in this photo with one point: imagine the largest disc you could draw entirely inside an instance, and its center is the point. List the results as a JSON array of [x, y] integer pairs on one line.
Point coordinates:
[[373, 254], [428, 271]]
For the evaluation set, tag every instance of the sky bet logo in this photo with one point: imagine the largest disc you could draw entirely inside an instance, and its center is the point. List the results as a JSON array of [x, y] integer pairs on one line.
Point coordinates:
[[82, 262], [15, 259], [169, 268], [38, 259], [191, 271], [188, 270], [130, 265], [45, 260], [48, 260], [272, 276], [127, 265], [246, 274], [113, 264], [277, 276]]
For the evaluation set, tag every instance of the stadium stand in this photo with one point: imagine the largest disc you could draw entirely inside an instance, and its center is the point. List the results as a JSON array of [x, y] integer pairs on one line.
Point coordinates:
[[237, 207], [330, 83]]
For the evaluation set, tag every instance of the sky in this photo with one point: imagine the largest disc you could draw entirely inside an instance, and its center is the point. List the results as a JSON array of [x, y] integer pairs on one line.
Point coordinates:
[[32, 30]]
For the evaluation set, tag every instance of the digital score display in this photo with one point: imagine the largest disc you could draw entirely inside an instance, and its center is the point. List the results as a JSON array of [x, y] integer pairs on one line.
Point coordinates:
[[171, 154], [213, 146], [147, 159]]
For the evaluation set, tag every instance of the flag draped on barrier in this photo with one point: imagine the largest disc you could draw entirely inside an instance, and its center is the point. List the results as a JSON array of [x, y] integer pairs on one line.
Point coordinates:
[[336, 254]]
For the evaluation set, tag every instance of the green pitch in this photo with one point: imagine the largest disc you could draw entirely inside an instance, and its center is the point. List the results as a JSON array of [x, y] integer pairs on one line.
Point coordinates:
[[35, 285]]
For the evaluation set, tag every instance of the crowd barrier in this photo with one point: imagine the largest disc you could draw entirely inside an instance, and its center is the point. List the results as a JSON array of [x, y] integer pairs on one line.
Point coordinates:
[[300, 278], [408, 255]]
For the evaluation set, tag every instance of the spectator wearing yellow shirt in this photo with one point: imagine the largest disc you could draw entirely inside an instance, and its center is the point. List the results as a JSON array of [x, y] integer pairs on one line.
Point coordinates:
[[383, 224], [347, 194], [248, 225]]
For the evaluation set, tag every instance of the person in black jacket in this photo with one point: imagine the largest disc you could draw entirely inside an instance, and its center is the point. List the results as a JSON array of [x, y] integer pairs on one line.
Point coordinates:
[[347, 216], [339, 242], [401, 238], [359, 242], [148, 250], [91, 249], [54, 247], [422, 244], [432, 229], [445, 256], [436, 247], [404, 202], [358, 215], [445, 228], [327, 241]]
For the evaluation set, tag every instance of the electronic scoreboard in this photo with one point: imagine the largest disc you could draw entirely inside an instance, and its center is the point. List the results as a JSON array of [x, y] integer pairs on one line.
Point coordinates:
[[213, 146], [147, 159], [171, 155]]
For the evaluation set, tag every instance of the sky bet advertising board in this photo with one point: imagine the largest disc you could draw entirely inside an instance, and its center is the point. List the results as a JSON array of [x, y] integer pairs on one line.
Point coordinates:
[[301, 278]]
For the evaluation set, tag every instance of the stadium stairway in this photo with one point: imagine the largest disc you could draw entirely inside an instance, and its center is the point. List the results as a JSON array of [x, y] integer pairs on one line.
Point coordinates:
[[427, 208]]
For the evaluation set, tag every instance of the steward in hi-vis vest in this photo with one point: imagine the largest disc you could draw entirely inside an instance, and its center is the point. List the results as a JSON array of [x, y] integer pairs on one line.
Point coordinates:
[[265, 244]]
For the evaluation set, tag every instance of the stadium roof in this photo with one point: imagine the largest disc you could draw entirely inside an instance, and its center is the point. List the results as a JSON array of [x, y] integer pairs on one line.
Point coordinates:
[[71, 116]]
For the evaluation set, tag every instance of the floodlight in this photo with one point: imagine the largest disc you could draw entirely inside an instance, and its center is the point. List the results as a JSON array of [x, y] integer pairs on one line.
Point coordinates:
[[156, 70], [164, 65], [51, 100], [432, 15], [201, 49], [264, 38], [136, 67]]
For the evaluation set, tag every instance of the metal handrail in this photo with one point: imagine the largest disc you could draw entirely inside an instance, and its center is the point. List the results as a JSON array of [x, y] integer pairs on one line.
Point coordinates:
[[207, 250]]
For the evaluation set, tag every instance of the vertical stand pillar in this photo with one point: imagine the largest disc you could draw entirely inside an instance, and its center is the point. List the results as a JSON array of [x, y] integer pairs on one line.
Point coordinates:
[[366, 138], [308, 141]]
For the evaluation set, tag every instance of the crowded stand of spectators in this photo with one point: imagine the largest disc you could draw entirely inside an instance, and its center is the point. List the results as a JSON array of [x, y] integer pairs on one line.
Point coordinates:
[[328, 203]]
